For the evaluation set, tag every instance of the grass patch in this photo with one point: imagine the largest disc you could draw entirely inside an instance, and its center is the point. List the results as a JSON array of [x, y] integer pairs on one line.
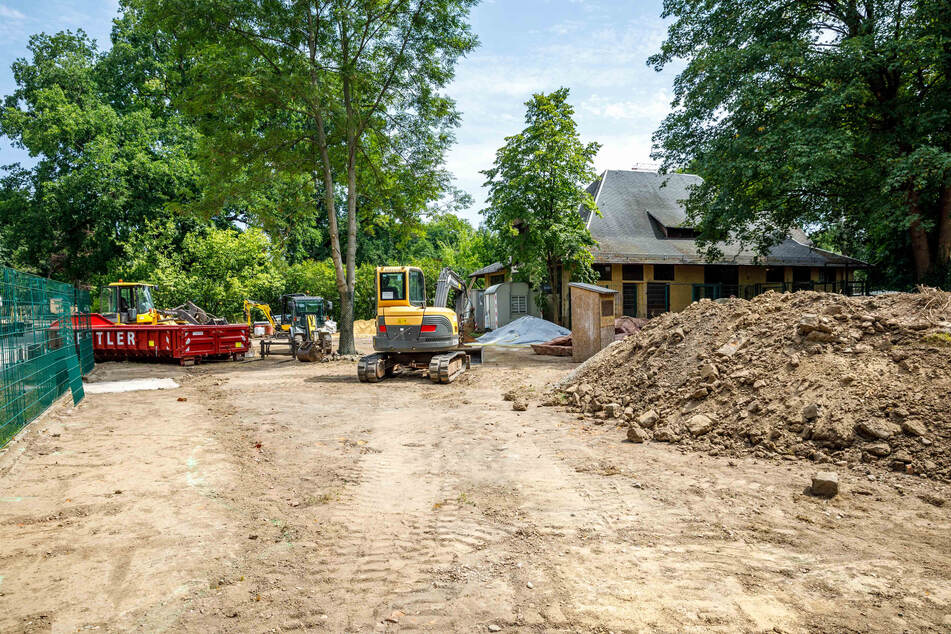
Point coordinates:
[[939, 338]]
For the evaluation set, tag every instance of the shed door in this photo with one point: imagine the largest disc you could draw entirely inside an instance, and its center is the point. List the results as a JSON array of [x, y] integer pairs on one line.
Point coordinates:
[[658, 299], [630, 300]]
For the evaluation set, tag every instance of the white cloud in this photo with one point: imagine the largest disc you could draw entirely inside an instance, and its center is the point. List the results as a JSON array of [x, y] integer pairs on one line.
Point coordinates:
[[8, 13], [619, 101], [654, 106], [624, 151]]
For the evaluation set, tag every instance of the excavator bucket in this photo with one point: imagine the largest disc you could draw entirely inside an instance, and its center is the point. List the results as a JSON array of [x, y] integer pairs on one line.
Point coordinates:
[[317, 346]]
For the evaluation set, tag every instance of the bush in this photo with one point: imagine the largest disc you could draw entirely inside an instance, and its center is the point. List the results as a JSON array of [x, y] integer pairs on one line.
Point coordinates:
[[214, 268]]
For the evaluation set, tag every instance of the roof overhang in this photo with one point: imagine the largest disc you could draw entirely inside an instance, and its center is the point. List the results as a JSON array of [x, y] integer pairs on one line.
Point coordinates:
[[740, 260]]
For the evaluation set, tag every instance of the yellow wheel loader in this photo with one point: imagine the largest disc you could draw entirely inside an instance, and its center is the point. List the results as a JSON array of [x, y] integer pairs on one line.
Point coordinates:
[[410, 334], [129, 303]]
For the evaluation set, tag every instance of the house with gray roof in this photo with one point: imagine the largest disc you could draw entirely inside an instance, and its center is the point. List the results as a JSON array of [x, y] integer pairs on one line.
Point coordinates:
[[647, 252]]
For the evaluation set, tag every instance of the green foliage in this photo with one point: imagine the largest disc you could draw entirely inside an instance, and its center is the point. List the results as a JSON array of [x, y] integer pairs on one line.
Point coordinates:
[[219, 268], [215, 268], [834, 116], [537, 187], [105, 164], [445, 238], [318, 278], [939, 338], [212, 110]]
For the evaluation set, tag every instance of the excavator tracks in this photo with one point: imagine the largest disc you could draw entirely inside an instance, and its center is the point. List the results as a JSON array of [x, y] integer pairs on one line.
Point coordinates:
[[371, 368], [443, 368], [446, 368]]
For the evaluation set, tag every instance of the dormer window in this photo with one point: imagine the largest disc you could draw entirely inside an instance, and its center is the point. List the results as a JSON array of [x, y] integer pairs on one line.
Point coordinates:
[[681, 233]]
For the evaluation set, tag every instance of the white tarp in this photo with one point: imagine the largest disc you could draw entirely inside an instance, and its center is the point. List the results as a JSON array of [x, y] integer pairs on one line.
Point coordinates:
[[523, 332], [132, 385]]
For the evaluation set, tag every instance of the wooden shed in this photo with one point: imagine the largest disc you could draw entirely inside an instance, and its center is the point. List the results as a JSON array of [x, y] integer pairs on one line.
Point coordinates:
[[592, 319]]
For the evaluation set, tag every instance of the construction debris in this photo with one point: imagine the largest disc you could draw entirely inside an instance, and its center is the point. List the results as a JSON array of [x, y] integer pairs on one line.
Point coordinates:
[[557, 347], [811, 375], [190, 313], [624, 327]]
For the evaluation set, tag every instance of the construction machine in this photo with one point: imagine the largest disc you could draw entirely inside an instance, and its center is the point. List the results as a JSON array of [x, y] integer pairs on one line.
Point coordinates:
[[411, 334], [250, 304], [130, 303], [317, 342], [302, 328]]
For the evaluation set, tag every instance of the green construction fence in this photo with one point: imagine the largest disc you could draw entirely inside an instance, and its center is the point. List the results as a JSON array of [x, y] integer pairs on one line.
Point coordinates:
[[45, 347]]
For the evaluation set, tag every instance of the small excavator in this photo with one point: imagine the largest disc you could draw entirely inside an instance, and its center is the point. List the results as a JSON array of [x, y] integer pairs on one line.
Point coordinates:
[[250, 305], [301, 330], [410, 334]]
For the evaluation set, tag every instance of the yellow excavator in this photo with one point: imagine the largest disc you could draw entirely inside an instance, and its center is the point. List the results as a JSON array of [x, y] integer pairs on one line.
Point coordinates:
[[250, 304], [410, 334]]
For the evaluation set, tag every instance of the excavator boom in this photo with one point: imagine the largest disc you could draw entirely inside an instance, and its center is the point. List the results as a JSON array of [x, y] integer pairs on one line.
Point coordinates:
[[448, 280], [265, 309]]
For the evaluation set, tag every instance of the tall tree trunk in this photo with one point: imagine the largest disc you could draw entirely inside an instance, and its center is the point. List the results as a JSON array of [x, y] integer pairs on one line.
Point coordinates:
[[347, 344], [920, 249], [555, 295], [328, 186], [344, 290], [944, 230]]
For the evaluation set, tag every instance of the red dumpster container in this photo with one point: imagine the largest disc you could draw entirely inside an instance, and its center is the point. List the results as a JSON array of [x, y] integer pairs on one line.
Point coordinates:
[[186, 343]]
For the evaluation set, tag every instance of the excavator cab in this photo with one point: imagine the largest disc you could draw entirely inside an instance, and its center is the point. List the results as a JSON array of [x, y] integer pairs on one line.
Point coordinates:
[[296, 308], [404, 323], [410, 334], [129, 303]]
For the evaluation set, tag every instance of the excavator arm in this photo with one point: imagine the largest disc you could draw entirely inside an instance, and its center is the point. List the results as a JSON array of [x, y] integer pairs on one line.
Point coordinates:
[[264, 308], [448, 280]]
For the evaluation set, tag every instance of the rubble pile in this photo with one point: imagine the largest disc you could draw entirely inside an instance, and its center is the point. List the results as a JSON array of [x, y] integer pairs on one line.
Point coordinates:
[[804, 375]]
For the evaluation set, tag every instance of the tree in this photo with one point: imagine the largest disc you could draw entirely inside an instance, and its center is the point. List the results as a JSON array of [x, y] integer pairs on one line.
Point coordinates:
[[337, 98], [318, 278], [215, 268], [109, 155], [537, 188], [833, 115]]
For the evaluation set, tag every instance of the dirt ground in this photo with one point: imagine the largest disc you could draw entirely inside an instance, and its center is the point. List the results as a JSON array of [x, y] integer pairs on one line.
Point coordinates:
[[274, 496]]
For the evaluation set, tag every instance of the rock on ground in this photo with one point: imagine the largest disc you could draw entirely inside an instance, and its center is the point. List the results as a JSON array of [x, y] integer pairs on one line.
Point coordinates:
[[648, 419], [699, 425], [636, 434], [825, 484]]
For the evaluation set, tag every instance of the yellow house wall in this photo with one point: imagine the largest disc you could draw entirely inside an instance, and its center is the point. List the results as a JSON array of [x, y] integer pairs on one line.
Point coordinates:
[[681, 289], [752, 275], [485, 278]]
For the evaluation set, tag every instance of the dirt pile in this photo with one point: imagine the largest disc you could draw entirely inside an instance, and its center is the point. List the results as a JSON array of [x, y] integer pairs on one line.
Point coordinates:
[[809, 375]]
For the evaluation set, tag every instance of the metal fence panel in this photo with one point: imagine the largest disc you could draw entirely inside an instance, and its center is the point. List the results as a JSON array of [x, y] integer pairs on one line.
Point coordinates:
[[82, 330], [42, 352]]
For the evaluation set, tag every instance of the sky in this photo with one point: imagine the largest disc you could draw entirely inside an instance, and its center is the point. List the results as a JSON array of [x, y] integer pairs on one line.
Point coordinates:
[[596, 48]]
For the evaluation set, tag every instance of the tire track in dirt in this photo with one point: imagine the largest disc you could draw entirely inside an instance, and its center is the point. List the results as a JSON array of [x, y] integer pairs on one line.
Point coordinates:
[[395, 531]]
